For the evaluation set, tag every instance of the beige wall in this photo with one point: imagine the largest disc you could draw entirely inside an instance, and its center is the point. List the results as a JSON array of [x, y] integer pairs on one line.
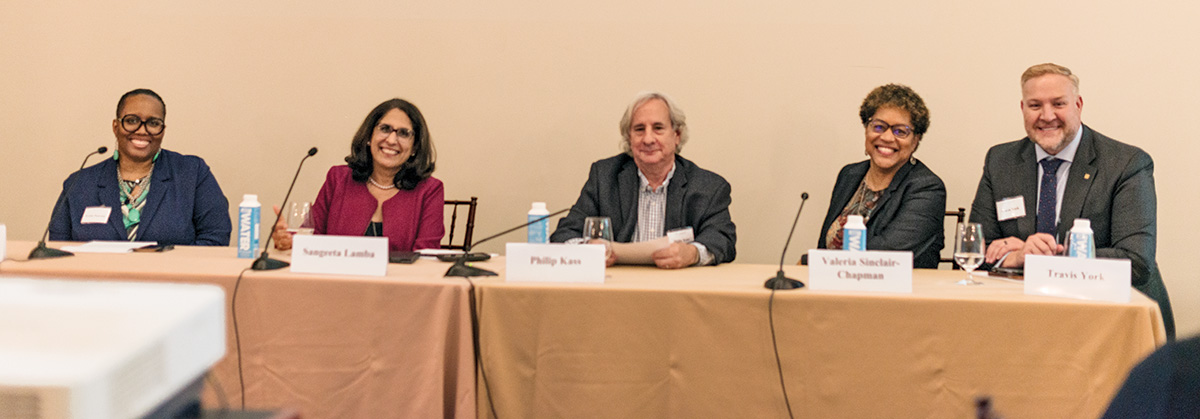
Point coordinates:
[[521, 98]]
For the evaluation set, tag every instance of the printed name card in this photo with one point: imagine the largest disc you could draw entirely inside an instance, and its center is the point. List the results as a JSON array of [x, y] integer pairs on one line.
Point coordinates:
[[347, 255], [554, 262], [879, 271], [3, 242], [1085, 279]]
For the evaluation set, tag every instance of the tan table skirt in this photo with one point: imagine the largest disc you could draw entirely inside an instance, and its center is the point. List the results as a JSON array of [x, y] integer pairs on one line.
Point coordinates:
[[696, 343], [330, 346]]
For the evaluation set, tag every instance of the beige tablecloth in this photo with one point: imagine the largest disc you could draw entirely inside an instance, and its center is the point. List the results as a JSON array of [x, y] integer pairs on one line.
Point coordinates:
[[331, 346], [696, 343]]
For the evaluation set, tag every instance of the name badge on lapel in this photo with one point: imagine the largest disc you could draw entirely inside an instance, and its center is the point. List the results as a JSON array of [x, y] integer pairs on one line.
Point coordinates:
[[95, 215], [1010, 208]]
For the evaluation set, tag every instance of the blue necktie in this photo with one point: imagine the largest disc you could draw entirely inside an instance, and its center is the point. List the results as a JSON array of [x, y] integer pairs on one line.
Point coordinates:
[[1048, 199]]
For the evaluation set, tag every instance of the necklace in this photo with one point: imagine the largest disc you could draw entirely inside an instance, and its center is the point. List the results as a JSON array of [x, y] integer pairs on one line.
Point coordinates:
[[377, 185]]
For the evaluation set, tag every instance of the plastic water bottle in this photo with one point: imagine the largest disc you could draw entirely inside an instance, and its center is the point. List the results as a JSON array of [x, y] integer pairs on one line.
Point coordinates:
[[539, 232], [248, 226], [1080, 241], [854, 234]]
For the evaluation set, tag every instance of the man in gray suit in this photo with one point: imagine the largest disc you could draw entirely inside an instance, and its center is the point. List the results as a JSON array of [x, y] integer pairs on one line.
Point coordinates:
[[650, 190], [1033, 189]]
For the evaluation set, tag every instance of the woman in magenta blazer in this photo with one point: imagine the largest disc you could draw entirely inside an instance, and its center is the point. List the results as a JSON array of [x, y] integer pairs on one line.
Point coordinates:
[[386, 188]]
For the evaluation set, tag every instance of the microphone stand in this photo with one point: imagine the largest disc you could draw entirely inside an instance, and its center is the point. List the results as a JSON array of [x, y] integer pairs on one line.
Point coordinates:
[[264, 261], [781, 281], [43, 252], [460, 268]]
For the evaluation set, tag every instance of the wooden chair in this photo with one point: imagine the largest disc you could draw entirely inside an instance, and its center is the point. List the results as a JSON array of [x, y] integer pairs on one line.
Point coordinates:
[[961, 216], [469, 228]]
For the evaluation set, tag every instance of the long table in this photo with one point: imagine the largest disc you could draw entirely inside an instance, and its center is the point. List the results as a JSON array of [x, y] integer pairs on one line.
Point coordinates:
[[647, 343], [697, 343], [330, 346]]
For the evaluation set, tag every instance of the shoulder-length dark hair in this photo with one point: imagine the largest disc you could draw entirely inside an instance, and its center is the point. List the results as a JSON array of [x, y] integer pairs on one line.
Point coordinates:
[[420, 163]]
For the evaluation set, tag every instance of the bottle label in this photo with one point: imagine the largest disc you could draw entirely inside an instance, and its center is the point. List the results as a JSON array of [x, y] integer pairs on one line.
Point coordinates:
[[539, 232], [854, 240], [1081, 246], [248, 231]]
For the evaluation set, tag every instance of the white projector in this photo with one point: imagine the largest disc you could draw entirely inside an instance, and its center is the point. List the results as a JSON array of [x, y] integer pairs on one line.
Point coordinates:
[[90, 349]]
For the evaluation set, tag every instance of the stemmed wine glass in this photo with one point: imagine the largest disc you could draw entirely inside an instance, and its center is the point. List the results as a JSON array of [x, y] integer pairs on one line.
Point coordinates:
[[299, 218], [598, 228], [968, 250]]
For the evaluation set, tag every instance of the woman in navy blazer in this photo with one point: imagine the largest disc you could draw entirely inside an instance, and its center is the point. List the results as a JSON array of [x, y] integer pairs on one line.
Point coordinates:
[[143, 193], [901, 200]]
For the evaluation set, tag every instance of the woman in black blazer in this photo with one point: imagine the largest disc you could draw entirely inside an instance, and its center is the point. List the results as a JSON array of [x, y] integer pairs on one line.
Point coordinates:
[[900, 199]]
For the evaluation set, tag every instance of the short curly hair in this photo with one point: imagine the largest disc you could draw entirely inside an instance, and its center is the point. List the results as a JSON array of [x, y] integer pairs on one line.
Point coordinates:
[[900, 97]]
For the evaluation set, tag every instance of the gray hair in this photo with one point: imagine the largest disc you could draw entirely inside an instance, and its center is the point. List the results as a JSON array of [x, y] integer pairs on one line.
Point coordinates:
[[678, 119]]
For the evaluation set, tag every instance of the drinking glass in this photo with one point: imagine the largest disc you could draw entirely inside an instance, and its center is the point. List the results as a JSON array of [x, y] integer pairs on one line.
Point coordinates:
[[597, 228], [299, 218], [968, 250]]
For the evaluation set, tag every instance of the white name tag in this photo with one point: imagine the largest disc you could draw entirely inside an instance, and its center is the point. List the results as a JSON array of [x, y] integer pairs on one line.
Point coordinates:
[[839, 270], [681, 235], [95, 215], [554, 262], [349, 255], [1010, 208], [1084, 279], [3, 242]]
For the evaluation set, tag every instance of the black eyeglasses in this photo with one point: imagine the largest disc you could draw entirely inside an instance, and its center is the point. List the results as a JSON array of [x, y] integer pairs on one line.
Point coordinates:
[[899, 131], [132, 123], [386, 130]]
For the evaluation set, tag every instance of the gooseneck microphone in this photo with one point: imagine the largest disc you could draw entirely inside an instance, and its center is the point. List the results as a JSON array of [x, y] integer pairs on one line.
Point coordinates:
[[264, 261], [43, 252], [460, 267], [781, 281]]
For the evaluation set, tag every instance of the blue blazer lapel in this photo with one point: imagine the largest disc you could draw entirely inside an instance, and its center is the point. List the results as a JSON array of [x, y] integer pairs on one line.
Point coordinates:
[[109, 195], [160, 187], [627, 195], [1079, 183]]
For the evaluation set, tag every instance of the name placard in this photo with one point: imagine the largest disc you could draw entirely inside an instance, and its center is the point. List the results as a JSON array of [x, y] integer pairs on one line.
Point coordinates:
[[840, 270], [347, 255], [1085, 279], [3, 242], [554, 262]]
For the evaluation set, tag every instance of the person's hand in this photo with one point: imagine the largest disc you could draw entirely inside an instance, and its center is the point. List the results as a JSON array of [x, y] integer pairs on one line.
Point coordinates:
[[1042, 244], [677, 255], [999, 247], [610, 257], [283, 240]]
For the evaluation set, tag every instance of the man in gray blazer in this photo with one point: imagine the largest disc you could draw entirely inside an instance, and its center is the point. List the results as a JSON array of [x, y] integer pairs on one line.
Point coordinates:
[[1033, 189], [649, 190]]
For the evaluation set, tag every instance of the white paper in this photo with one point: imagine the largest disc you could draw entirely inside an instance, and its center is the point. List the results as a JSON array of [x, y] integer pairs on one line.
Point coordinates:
[[3, 242], [435, 252], [103, 246], [639, 253]]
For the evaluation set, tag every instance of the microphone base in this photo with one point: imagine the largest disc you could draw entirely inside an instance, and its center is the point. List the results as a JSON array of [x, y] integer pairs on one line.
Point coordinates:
[[782, 282], [43, 252], [265, 263], [460, 269]]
